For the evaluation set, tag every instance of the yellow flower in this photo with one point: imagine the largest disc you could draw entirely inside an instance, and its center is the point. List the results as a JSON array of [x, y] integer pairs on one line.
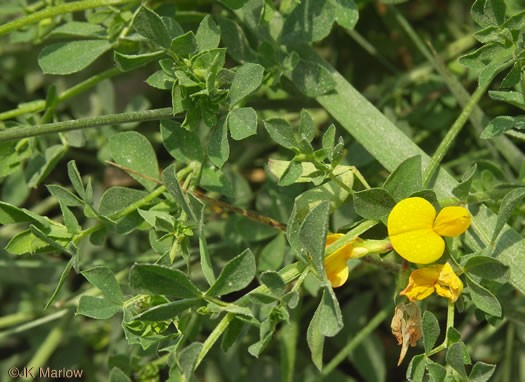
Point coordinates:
[[335, 263], [415, 232], [438, 277]]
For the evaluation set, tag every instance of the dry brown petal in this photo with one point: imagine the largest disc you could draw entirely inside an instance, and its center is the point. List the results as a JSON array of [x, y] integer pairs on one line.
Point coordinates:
[[406, 327]]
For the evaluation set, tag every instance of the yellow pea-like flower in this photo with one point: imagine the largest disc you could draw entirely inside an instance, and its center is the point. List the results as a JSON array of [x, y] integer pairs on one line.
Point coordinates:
[[335, 263], [415, 231], [439, 277]]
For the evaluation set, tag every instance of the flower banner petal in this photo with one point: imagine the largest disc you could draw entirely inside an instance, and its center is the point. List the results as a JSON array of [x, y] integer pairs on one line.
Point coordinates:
[[452, 221], [420, 247]]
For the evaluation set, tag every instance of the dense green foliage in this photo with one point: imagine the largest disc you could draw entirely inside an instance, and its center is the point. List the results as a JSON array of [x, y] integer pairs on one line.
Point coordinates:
[[170, 171]]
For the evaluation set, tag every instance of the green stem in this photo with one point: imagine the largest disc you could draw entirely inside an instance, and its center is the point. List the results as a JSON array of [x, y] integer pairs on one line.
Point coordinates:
[[447, 141], [33, 324], [450, 324], [357, 339], [40, 105], [84, 123], [371, 50], [48, 347], [15, 318], [58, 10]]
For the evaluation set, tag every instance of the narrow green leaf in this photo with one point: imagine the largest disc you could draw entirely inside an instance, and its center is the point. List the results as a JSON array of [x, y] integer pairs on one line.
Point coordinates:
[[117, 375], [47, 238], [455, 358], [346, 13], [70, 220], [511, 97], [97, 308], [313, 235], [72, 56], [61, 282], [102, 278], [247, 79], [234, 4], [281, 132], [486, 267], [219, 147], [187, 359], [149, 24], [64, 196], [127, 62], [169, 178], [483, 298], [430, 328], [208, 34], [75, 179], [235, 275], [40, 166], [373, 203], [78, 29], [481, 372], [291, 174], [512, 78], [182, 144], [216, 181], [306, 126], [272, 255], [315, 339], [462, 190], [329, 140], [158, 279], [10, 214], [160, 80], [508, 204], [312, 79], [274, 282], [330, 317], [134, 151], [242, 123], [416, 368], [405, 179], [232, 333]]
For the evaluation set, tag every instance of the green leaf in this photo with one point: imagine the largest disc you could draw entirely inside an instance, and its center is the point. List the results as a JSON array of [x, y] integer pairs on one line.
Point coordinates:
[[281, 132], [187, 359], [310, 21], [508, 204], [215, 181], [455, 358], [483, 298], [481, 57], [70, 220], [168, 311], [486, 267], [169, 178], [40, 167], [182, 144], [208, 34], [158, 279], [315, 339], [330, 317], [47, 238], [373, 203], [185, 45], [291, 174], [234, 4], [430, 328], [497, 127], [117, 375], [234, 39], [27, 242], [274, 282], [63, 278], [495, 11], [346, 13], [247, 79], [242, 123], [127, 62], [462, 190], [369, 359], [64, 196], [134, 151], [97, 308], [511, 97], [272, 255], [102, 278], [313, 235], [232, 333], [10, 214], [329, 141], [312, 79], [416, 368], [219, 147], [405, 179], [491, 70], [306, 126], [436, 371], [160, 80], [235, 275], [513, 77], [149, 24], [75, 179], [481, 372], [516, 22], [117, 198], [72, 56]]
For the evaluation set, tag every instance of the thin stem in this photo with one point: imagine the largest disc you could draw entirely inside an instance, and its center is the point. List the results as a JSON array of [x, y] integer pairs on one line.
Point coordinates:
[[48, 347], [371, 50], [58, 10], [509, 345], [15, 318], [84, 123], [40, 105], [252, 215], [447, 141], [357, 339], [33, 324], [450, 324]]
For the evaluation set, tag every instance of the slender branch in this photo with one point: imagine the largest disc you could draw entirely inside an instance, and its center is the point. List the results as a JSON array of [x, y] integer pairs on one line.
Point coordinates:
[[84, 123], [58, 10], [252, 215]]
